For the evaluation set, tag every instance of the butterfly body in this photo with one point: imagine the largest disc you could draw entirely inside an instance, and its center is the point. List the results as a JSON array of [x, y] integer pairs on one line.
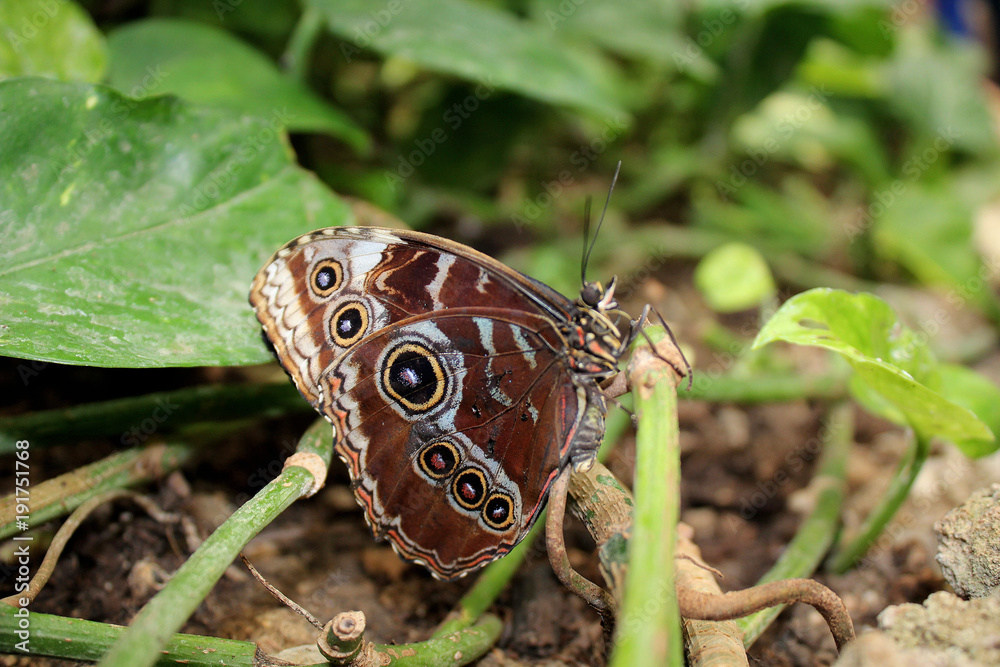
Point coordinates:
[[458, 388]]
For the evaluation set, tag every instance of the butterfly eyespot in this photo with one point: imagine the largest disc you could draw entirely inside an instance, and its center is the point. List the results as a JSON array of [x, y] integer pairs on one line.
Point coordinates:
[[499, 511], [413, 376], [326, 277], [349, 324], [469, 488], [439, 460]]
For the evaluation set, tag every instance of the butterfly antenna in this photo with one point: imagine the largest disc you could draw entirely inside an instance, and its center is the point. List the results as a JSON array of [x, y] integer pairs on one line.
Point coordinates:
[[593, 240]]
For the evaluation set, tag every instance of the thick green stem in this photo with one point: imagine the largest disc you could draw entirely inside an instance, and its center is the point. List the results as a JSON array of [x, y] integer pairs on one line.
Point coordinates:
[[77, 639], [899, 488], [457, 648], [648, 631]]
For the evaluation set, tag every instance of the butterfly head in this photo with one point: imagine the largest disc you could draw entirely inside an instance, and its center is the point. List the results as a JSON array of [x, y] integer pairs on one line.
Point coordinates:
[[594, 336], [594, 296]]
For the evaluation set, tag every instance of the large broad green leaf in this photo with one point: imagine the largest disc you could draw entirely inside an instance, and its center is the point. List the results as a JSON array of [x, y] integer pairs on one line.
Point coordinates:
[[130, 230], [54, 38], [891, 360], [209, 66], [477, 42]]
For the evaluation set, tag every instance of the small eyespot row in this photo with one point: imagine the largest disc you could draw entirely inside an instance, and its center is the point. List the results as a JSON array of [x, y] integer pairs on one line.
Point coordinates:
[[469, 488]]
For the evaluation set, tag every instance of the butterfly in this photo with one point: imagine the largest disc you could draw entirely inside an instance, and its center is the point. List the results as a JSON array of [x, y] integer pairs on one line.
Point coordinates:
[[458, 388]]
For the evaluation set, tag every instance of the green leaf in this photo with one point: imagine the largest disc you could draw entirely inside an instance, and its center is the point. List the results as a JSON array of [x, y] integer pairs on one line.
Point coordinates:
[[734, 277], [479, 43], [889, 358], [130, 230], [635, 28], [209, 66], [971, 390], [53, 38]]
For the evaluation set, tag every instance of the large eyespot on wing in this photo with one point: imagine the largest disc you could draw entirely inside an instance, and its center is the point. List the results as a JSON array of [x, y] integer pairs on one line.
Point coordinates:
[[453, 425]]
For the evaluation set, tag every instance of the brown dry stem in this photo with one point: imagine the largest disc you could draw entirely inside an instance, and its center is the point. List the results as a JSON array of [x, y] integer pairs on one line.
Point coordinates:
[[736, 604], [592, 594]]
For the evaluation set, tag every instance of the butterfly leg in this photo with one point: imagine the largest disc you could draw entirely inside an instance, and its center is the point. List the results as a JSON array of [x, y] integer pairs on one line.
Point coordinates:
[[686, 371]]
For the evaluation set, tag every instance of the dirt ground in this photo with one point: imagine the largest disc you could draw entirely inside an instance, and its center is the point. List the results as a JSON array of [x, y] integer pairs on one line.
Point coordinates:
[[321, 554]]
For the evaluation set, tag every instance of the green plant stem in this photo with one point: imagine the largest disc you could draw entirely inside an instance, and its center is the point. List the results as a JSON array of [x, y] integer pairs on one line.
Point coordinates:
[[76, 639], [648, 631], [817, 532], [846, 556], [135, 419], [296, 55], [153, 627], [61, 495], [456, 648], [761, 388]]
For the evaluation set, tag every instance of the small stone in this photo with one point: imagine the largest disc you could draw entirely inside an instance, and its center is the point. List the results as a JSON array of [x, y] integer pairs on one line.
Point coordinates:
[[969, 538]]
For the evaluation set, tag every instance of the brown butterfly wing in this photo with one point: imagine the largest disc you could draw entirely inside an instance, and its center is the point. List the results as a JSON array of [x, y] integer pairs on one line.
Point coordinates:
[[453, 425], [454, 478], [366, 278]]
